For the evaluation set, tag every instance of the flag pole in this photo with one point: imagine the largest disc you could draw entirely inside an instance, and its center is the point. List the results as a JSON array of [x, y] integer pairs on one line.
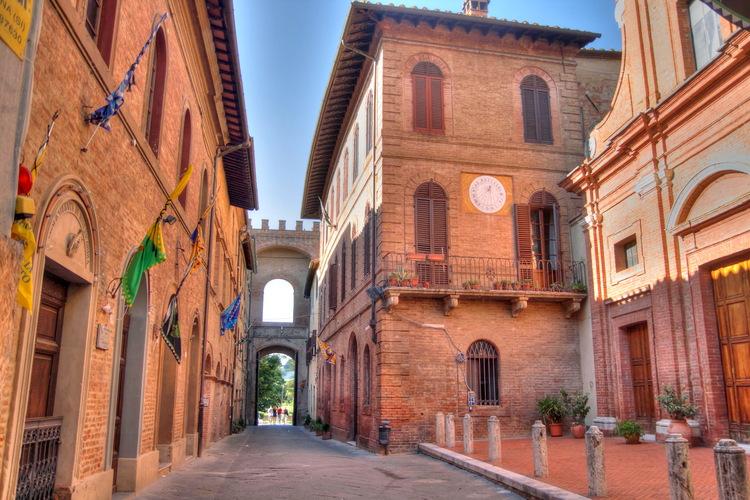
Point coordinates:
[[86, 147]]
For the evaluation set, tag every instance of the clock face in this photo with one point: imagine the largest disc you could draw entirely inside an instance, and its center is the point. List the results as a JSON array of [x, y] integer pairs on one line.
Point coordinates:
[[487, 194]]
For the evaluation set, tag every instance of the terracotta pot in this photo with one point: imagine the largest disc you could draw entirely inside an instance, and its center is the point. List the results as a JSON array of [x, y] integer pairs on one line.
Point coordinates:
[[327, 435], [682, 428], [526, 286], [318, 432], [497, 286], [555, 430], [393, 281], [578, 431], [633, 439], [416, 256], [415, 282], [435, 256], [475, 286], [425, 284], [406, 283]]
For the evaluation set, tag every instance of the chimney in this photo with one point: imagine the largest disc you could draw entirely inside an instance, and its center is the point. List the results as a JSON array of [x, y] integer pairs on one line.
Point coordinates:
[[476, 8]]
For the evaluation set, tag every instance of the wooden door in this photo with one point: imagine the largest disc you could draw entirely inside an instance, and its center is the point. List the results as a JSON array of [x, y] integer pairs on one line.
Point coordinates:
[[120, 391], [47, 347], [732, 301], [640, 365]]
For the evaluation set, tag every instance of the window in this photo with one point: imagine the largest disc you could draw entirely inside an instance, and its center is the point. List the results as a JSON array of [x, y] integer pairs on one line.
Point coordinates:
[[367, 250], [345, 186], [278, 302], [706, 31], [354, 263], [355, 155], [184, 157], [366, 362], [626, 254], [369, 124], [332, 281], [100, 23], [482, 372], [343, 271], [157, 80], [537, 119], [537, 230], [431, 230], [428, 98]]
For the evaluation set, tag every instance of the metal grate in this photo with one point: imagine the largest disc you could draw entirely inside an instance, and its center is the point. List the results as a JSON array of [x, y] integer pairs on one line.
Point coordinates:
[[36, 474], [481, 371]]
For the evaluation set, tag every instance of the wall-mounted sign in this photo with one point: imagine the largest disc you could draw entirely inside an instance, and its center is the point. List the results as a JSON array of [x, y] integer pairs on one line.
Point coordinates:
[[15, 22], [486, 194]]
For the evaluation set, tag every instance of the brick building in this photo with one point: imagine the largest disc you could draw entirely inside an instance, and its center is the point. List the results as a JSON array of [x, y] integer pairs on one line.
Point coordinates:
[[470, 123], [80, 363], [667, 220]]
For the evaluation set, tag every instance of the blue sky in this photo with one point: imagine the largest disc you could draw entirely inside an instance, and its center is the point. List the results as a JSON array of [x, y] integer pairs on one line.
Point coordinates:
[[287, 48]]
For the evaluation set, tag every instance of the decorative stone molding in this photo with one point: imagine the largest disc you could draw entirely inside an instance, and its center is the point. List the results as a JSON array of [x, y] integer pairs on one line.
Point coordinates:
[[517, 305], [450, 302], [391, 300], [571, 307], [647, 184], [591, 220]]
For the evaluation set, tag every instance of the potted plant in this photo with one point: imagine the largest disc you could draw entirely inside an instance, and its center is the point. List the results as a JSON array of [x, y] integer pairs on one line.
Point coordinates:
[[394, 279], [506, 284], [631, 431], [578, 287], [414, 281], [556, 286], [515, 285], [577, 408], [679, 410], [425, 284], [526, 284], [318, 426], [497, 285], [326, 429], [552, 410], [307, 422]]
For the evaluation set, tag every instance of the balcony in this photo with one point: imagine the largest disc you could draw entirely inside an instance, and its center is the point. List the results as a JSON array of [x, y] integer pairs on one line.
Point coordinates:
[[455, 279]]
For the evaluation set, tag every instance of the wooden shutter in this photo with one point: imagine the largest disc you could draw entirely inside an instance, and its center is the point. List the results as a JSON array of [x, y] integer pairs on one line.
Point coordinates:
[[523, 241], [420, 102], [431, 230], [368, 243], [545, 118], [343, 271], [354, 264], [436, 104], [332, 288], [529, 115]]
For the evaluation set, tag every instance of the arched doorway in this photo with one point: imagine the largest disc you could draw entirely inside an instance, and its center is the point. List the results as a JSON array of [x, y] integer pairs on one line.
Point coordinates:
[[352, 405], [193, 398], [276, 385]]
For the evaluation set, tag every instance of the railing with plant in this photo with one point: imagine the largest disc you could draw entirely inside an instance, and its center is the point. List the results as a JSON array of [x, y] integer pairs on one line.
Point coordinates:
[[483, 273]]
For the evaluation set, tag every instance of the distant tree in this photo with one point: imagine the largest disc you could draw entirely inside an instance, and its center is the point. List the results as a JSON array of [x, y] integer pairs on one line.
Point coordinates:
[[270, 382], [289, 392]]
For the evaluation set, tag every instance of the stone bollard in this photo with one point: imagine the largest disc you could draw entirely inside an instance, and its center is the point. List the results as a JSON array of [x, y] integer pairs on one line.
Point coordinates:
[[539, 444], [468, 435], [493, 436], [450, 431], [731, 470], [440, 429], [595, 462], [678, 467]]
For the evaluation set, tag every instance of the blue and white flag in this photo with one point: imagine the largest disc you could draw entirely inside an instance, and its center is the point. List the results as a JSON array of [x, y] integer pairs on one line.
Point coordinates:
[[114, 100], [229, 317]]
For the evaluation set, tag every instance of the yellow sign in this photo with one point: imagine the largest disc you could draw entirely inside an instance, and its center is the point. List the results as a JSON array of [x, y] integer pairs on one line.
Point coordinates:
[[15, 22], [486, 194]]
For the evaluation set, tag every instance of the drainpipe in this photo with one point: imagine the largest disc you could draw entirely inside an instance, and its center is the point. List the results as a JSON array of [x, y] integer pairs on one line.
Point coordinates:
[[220, 152], [373, 319]]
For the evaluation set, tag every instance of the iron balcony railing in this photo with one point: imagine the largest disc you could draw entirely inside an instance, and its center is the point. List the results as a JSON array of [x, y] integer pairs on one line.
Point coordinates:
[[36, 474], [438, 271]]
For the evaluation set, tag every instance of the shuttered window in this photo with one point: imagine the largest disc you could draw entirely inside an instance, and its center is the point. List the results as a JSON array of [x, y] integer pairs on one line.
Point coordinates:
[[431, 230], [369, 124], [537, 234], [537, 118], [367, 250], [157, 84], [482, 373], [345, 185], [332, 288], [354, 263], [343, 271], [428, 98], [355, 155]]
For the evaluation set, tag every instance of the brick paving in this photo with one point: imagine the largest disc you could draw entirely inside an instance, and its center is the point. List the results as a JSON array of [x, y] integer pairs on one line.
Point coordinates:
[[632, 471]]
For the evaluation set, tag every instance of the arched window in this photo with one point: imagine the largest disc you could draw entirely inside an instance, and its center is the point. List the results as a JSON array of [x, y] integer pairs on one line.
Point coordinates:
[[428, 98], [537, 119], [367, 250], [355, 155], [366, 370], [156, 87], [431, 231], [343, 270], [345, 185], [482, 373], [204, 201], [278, 302], [369, 124], [100, 23], [185, 156], [538, 237], [353, 272]]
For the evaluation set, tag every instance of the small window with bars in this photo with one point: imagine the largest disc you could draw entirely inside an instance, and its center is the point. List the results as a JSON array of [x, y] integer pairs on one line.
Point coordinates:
[[482, 373]]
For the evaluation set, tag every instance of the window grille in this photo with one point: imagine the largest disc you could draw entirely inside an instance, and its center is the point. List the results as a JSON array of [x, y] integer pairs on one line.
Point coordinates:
[[482, 372]]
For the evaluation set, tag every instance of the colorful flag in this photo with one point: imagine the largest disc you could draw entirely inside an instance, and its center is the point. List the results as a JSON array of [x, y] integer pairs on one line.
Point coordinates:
[[150, 253], [114, 100], [170, 329], [327, 352], [22, 231], [229, 317], [181, 183], [197, 256]]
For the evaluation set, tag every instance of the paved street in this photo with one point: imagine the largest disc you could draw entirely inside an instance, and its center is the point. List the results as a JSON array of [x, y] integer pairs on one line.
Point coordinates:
[[285, 462]]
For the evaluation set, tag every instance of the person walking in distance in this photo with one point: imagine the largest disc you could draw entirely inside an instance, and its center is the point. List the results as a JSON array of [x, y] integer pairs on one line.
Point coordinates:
[[286, 415]]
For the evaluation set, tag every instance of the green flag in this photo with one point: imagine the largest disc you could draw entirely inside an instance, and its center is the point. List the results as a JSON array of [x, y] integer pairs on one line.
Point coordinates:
[[150, 253]]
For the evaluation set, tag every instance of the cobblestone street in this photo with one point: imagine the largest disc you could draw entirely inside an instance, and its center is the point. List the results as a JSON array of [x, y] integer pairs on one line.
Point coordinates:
[[289, 462]]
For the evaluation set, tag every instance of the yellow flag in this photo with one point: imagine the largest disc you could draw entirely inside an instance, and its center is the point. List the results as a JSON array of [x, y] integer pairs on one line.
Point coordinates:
[[327, 352], [183, 182], [22, 231]]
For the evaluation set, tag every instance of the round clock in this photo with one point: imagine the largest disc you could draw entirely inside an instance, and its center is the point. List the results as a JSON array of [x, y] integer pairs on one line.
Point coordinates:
[[487, 194]]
